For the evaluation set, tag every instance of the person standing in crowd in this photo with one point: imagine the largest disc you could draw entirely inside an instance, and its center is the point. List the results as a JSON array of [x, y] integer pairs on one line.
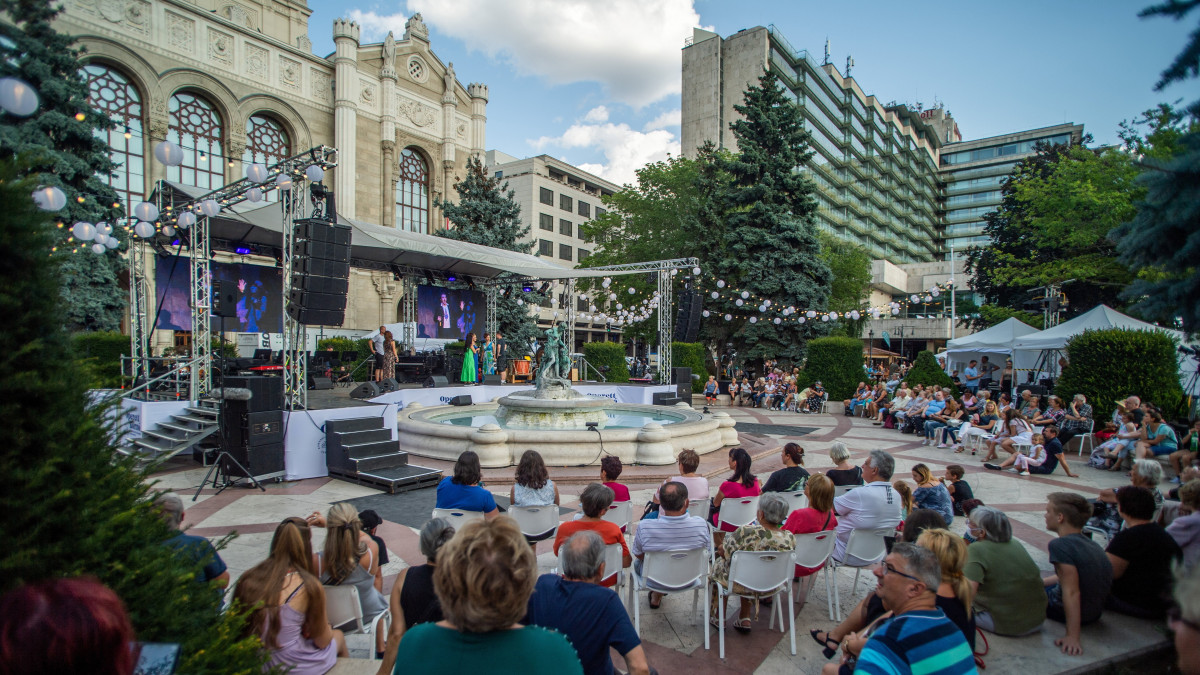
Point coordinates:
[[413, 600], [793, 475], [501, 356], [488, 366], [1082, 572], [467, 376], [389, 357], [971, 376], [377, 351]]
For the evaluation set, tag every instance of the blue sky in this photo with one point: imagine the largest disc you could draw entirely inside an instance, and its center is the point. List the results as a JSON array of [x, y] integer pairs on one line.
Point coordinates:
[[596, 82]]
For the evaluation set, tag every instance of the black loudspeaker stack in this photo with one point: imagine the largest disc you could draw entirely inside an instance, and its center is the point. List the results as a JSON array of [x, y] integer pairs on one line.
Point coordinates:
[[252, 430], [366, 390], [322, 273], [463, 399], [491, 380], [436, 381], [687, 317], [224, 298], [682, 379]]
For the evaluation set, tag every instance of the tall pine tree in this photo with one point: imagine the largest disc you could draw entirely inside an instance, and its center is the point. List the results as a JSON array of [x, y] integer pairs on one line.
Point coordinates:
[[770, 246], [56, 148], [487, 214]]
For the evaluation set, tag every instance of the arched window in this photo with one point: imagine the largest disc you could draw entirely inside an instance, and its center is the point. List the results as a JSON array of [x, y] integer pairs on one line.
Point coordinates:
[[412, 193], [266, 143], [196, 127], [112, 93]]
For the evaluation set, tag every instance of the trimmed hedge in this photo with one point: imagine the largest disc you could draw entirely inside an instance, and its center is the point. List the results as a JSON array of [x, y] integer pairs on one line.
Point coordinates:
[[837, 362], [99, 354], [927, 371], [611, 354], [361, 348], [691, 355], [1109, 365]]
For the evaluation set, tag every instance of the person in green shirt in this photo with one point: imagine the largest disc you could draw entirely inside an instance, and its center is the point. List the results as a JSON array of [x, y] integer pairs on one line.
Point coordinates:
[[483, 580], [1007, 584]]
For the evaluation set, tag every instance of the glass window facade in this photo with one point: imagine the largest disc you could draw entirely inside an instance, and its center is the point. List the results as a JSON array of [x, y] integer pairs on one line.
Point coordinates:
[[585, 209], [194, 125], [546, 196], [566, 203], [546, 222], [565, 252], [545, 247], [565, 227], [112, 93], [266, 143], [1021, 148], [412, 193]]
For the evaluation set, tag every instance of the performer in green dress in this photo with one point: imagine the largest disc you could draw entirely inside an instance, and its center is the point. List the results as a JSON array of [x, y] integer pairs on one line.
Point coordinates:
[[469, 356]]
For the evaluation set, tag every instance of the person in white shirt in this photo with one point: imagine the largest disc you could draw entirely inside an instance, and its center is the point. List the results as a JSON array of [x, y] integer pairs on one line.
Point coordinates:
[[377, 349], [874, 505], [674, 530]]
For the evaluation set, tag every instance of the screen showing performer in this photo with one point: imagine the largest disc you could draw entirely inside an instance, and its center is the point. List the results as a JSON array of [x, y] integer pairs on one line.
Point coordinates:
[[259, 294], [449, 313]]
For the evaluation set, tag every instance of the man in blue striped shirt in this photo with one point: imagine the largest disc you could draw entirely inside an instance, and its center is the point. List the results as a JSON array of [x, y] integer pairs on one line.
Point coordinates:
[[674, 530], [918, 638]]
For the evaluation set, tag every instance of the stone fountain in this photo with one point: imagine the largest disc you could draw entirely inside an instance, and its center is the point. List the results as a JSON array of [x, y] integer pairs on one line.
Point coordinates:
[[553, 404]]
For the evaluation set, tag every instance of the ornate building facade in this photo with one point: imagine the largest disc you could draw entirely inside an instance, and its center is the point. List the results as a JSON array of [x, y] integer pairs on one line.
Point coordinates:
[[237, 82]]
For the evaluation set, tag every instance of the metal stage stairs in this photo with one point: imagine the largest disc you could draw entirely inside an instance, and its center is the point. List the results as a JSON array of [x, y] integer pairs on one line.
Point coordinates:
[[361, 450], [184, 432]]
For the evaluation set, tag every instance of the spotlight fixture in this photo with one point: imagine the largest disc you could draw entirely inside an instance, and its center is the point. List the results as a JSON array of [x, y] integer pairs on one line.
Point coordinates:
[[451, 278], [544, 287], [527, 289], [242, 250]]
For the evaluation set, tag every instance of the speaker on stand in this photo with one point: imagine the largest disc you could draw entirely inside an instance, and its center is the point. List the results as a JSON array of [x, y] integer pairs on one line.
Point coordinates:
[[320, 282]]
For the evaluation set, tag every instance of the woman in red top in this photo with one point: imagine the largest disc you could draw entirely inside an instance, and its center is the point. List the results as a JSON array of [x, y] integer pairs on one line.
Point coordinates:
[[816, 517], [741, 484], [610, 470], [595, 500]]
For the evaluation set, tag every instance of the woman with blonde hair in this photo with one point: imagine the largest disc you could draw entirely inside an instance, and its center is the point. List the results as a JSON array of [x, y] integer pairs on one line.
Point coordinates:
[[954, 595], [903, 489], [351, 558], [818, 516], [287, 606]]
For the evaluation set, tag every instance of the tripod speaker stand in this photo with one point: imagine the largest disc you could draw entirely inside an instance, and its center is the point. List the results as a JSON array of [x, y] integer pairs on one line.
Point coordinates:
[[251, 439]]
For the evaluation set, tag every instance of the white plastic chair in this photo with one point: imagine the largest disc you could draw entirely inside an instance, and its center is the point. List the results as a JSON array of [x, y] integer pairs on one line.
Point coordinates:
[[536, 521], [864, 545], [621, 515], [1087, 438], [614, 557], [671, 572], [814, 550], [737, 511], [761, 571], [839, 490], [699, 508], [796, 500], [343, 610], [457, 517]]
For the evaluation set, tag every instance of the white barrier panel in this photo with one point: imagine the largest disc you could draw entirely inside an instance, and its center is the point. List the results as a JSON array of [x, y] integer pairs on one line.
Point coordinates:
[[304, 436], [484, 393], [132, 417]]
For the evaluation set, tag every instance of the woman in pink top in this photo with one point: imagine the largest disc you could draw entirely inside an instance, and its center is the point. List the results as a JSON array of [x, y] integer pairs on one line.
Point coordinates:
[[816, 517], [610, 470], [741, 484]]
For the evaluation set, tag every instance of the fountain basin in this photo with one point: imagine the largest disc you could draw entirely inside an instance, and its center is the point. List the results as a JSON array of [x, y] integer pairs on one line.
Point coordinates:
[[445, 432], [552, 409]]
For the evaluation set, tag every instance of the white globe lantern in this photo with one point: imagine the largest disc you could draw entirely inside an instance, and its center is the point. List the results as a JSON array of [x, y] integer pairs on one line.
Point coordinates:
[[802, 319], [935, 291], [745, 294], [714, 295], [833, 315], [520, 301], [254, 195], [810, 314], [146, 211], [632, 290], [18, 97], [186, 220], [778, 321], [895, 311], [929, 298], [210, 207], [754, 319], [674, 272], [739, 302], [168, 153], [49, 198], [314, 173], [104, 228], [100, 238], [706, 313], [728, 317], [619, 306], [606, 283], [111, 243], [762, 308], [83, 231], [720, 283], [168, 231], [855, 315], [612, 296], [99, 248], [825, 317], [144, 230], [914, 298], [283, 181], [257, 173]]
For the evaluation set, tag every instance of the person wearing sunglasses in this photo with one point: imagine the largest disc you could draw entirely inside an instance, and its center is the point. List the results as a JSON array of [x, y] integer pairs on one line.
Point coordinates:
[[917, 637]]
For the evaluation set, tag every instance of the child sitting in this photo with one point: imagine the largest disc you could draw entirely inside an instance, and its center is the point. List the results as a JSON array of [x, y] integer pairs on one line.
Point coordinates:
[[960, 490], [1036, 457]]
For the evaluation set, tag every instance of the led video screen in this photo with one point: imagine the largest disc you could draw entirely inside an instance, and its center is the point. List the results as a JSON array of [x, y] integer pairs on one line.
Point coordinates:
[[259, 293], [449, 313]]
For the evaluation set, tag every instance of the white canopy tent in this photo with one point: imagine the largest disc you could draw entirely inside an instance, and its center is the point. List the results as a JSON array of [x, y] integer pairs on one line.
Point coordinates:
[[996, 343]]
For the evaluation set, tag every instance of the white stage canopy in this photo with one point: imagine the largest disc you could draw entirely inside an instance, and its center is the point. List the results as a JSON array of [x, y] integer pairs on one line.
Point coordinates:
[[996, 343]]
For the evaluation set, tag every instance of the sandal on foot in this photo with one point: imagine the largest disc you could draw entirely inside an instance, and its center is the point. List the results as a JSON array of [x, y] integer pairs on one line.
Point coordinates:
[[742, 626], [826, 650], [655, 605]]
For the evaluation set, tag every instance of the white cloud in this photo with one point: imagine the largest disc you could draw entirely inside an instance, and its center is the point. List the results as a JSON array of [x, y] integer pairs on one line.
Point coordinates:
[[631, 47], [596, 115], [671, 118], [374, 27], [625, 150]]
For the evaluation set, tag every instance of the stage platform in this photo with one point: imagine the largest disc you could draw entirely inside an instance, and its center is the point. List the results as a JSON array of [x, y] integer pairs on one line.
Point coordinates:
[[619, 393]]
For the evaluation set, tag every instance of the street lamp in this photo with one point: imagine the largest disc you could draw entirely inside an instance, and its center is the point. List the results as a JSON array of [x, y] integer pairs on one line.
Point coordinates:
[[871, 347]]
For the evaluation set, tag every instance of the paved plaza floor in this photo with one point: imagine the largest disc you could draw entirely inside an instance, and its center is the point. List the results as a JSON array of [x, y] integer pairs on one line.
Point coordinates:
[[673, 637]]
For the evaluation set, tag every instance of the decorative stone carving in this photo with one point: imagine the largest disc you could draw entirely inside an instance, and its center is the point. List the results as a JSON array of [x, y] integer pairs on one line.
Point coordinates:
[[304, 43], [388, 146], [112, 10], [255, 60], [181, 33], [137, 16], [415, 28], [220, 47], [389, 49], [461, 131], [289, 73], [416, 69], [240, 15], [420, 115], [158, 128], [321, 84], [367, 92], [448, 85]]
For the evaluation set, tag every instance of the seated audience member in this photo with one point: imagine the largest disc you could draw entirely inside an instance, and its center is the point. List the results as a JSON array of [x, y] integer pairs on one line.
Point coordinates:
[[843, 472], [1184, 619], [464, 489], [1014, 429], [766, 534], [931, 493], [287, 607], [897, 402], [741, 484], [918, 638], [937, 415], [983, 424], [733, 392], [850, 403], [351, 559], [872, 506], [1185, 529], [959, 489], [1055, 413], [1146, 473], [907, 505], [1158, 438], [75, 625], [413, 601], [793, 475], [1031, 406], [370, 523], [1111, 454], [1188, 453], [1077, 419], [197, 549], [1054, 457], [951, 419], [710, 390], [673, 530], [532, 485], [816, 517], [816, 399], [1035, 458], [595, 501], [1141, 555], [954, 593], [483, 580], [1189, 474], [697, 486], [610, 471], [1082, 572], [1009, 596], [592, 618]]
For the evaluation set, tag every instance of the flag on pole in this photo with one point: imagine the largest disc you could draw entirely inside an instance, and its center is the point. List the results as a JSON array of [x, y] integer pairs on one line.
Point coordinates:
[[887, 339]]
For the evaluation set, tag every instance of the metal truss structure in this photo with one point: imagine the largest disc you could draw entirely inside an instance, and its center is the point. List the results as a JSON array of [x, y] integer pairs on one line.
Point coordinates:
[[138, 295], [409, 313], [492, 321]]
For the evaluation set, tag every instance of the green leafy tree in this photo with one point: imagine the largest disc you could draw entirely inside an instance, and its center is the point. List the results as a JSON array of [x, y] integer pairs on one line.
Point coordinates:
[[56, 148], [850, 269], [925, 370], [73, 509], [487, 214], [1160, 242], [769, 246], [990, 315]]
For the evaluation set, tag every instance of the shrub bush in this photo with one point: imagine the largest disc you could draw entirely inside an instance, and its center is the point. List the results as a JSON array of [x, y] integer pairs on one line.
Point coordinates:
[[691, 355], [1107, 365], [927, 371], [361, 348], [837, 362], [610, 354], [100, 356]]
